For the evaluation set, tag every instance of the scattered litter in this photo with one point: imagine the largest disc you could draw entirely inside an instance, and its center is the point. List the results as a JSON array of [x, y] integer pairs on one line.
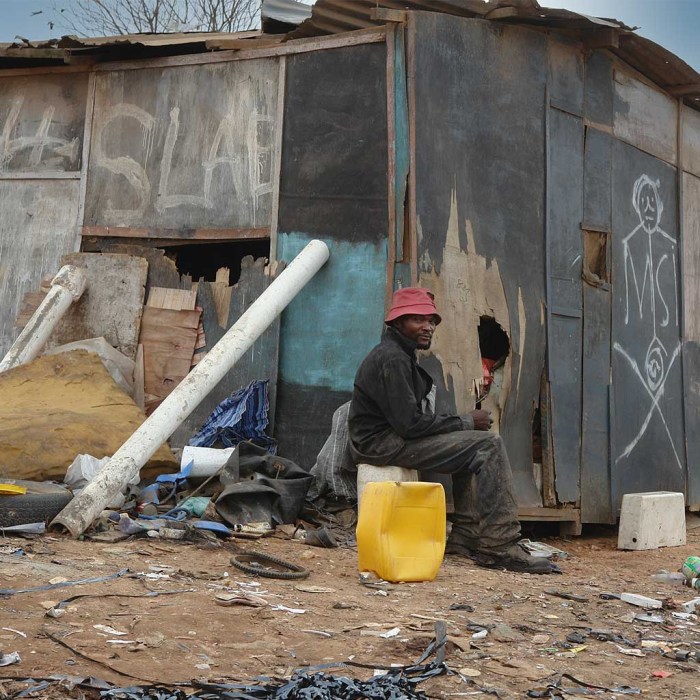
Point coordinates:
[[6, 592], [576, 638], [249, 599], [462, 606], [284, 608], [371, 580], [470, 672], [631, 652], [9, 659], [320, 633], [259, 564], [655, 618], [566, 596], [394, 632], [661, 674], [314, 589], [518, 668], [344, 606], [540, 549], [641, 601], [684, 616], [557, 690], [540, 639], [9, 549], [480, 635], [26, 529], [109, 630], [691, 605]]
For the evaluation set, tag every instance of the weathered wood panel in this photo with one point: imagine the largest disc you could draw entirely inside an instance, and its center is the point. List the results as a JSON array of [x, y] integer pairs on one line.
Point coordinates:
[[41, 123], [186, 147], [566, 76], [37, 227], [259, 362], [648, 447], [479, 197], [564, 337], [111, 305], [690, 135], [645, 117], [691, 346]]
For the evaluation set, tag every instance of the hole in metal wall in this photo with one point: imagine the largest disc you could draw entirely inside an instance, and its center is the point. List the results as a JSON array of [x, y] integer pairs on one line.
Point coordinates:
[[494, 347], [595, 259]]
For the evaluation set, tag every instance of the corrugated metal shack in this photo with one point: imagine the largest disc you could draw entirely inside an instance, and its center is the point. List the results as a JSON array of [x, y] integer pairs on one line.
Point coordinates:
[[538, 169]]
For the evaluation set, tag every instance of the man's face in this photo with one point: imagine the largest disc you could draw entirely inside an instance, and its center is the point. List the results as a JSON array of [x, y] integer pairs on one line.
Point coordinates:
[[420, 329]]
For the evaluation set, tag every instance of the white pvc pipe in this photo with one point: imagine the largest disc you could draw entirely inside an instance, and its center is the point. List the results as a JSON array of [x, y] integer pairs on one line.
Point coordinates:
[[66, 287], [162, 423]]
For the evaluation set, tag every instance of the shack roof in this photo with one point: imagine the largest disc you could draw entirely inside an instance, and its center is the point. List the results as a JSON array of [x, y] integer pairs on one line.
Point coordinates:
[[655, 62]]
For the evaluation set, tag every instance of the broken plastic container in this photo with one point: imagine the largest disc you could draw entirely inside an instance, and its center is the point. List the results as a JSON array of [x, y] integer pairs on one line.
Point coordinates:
[[401, 530]]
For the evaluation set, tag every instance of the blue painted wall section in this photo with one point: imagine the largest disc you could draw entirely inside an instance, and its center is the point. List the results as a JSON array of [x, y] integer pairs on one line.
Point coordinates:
[[337, 318]]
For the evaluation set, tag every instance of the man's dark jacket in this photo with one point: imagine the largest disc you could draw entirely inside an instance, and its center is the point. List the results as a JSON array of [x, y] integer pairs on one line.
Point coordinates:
[[388, 404]]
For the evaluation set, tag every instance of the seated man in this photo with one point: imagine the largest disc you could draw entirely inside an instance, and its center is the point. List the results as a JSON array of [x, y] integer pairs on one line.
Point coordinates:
[[392, 421]]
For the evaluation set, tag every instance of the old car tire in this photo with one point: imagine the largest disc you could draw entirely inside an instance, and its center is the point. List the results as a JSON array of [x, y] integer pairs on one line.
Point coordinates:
[[41, 503]]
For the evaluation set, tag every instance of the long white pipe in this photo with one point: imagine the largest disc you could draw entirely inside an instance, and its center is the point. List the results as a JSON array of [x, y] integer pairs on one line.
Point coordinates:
[[162, 423], [66, 287]]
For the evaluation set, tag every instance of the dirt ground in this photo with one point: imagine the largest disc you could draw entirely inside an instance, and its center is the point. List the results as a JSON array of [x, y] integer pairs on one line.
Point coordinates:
[[187, 635]]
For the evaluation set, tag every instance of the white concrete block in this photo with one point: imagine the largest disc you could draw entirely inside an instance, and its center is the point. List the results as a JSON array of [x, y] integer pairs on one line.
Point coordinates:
[[367, 473], [650, 520]]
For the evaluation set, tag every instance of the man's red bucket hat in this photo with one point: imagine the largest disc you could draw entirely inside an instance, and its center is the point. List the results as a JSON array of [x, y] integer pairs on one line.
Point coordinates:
[[412, 300]]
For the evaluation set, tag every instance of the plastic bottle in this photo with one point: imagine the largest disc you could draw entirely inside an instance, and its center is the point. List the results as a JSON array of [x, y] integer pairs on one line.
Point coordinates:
[[401, 530], [691, 567], [675, 578]]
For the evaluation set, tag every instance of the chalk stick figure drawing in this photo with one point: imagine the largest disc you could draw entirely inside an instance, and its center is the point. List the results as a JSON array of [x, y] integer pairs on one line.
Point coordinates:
[[650, 265]]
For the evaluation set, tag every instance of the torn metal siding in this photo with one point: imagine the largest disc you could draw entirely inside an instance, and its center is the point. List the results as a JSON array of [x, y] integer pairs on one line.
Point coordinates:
[[480, 211]]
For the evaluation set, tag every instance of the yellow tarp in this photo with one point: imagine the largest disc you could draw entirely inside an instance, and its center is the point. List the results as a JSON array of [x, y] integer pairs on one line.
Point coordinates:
[[59, 406]]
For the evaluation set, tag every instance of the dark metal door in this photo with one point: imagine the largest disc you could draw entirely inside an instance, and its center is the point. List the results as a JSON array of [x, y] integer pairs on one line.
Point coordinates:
[[648, 437]]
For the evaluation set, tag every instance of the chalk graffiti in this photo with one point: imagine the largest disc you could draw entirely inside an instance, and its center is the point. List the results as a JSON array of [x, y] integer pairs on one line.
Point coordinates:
[[649, 255], [242, 144], [42, 147]]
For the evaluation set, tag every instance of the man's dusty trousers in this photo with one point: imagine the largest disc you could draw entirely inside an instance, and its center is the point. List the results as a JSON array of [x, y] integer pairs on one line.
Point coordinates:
[[486, 513]]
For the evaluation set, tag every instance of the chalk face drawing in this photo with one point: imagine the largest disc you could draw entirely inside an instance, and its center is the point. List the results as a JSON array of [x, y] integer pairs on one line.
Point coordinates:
[[650, 305]]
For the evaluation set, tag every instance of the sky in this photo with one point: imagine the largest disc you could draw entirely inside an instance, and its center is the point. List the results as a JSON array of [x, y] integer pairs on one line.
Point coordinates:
[[675, 24]]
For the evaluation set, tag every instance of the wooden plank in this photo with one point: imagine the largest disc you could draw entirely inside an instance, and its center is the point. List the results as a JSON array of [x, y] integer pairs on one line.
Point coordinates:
[[112, 304], [184, 234], [42, 122], [296, 46], [387, 15], [87, 140], [50, 175], [175, 299], [37, 227], [221, 294], [566, 83], [690, 139], [139, 379], [605, 38], [260, 362], [412, 206], [645, 117], [276, 179], [168, 338], [391, 159], [552, 514], [683, 90]]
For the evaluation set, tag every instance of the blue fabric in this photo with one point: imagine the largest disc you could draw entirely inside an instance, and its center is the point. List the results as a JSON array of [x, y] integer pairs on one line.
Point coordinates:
[[240, 417]]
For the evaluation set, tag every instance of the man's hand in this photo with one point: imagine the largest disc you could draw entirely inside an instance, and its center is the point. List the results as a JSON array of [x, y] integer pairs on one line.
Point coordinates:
[[482, 420]]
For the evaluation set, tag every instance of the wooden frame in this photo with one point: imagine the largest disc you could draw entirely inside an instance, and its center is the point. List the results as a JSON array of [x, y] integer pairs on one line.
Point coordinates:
[[183, 235], [391, 159], [279, 132], [412, 228]]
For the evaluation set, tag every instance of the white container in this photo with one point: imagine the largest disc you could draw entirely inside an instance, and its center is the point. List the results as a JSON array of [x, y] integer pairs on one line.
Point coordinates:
[[206, 460], [651, 520], [366, 473]]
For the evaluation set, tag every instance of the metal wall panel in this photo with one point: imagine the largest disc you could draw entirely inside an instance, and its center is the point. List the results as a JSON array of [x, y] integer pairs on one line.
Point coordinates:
[[691, 346], [648, 446], [566, 76], [480, 210], [565, 213], [333, 186], [595, 437], [599, 89]]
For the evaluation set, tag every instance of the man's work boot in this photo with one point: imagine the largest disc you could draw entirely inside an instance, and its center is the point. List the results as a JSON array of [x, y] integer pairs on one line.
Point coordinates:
[[513, 558], [461, 547]]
